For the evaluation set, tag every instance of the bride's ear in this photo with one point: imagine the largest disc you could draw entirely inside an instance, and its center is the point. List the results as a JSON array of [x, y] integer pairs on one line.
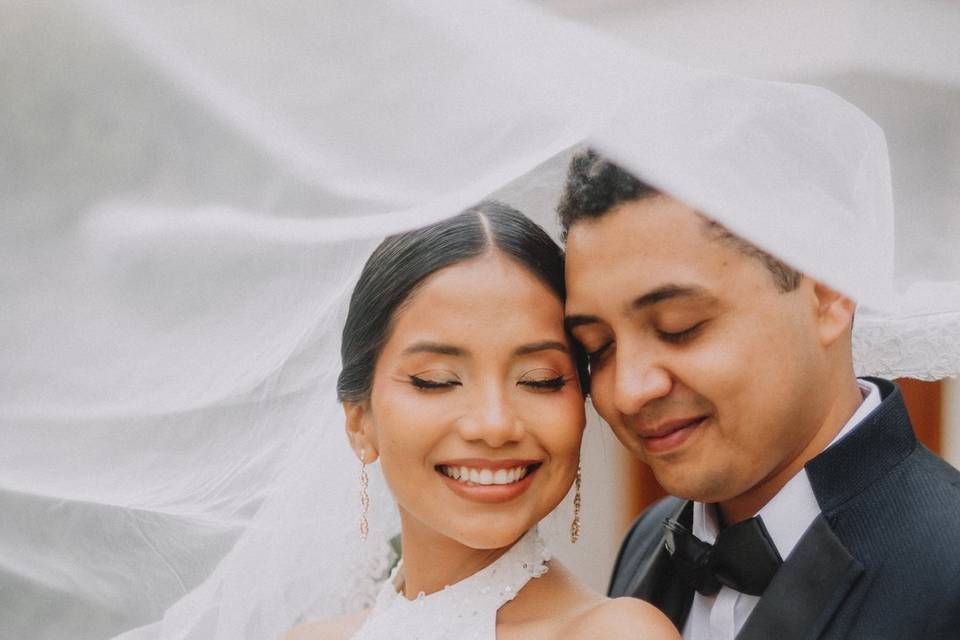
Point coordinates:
[[360, 431]]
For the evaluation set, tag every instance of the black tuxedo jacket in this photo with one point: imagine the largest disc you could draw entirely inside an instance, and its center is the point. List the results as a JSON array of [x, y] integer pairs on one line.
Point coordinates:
[[882, 561]]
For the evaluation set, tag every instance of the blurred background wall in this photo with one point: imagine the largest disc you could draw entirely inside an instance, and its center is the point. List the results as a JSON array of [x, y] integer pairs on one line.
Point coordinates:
[[900, 63]]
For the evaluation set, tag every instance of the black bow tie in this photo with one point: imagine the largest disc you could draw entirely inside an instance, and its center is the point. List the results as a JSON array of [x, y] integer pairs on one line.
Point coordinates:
[[743, 558]]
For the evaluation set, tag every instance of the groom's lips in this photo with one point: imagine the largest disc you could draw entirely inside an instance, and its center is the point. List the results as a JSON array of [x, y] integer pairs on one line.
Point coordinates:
[[669, 435]]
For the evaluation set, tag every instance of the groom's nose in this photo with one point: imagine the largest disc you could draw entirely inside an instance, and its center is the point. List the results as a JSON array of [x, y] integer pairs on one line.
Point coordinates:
[[637, 380]]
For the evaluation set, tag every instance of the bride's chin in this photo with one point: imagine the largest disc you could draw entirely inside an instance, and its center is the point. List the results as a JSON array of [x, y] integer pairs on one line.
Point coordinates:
[[493, 540], [491, 534]]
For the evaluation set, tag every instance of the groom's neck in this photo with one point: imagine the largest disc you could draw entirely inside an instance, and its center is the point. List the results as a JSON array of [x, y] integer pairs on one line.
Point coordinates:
[[838, 408]]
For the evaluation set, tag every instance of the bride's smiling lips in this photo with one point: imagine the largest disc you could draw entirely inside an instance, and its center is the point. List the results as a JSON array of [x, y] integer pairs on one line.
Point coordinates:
[[489, 481]]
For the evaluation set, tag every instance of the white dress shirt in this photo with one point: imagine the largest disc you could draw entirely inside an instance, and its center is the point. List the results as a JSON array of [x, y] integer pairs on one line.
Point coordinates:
[[786, 517]]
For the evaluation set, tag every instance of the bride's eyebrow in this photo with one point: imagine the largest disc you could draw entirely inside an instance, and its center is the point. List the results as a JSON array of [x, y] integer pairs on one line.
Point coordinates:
[[540, 346], [450, 350], [434, 347]]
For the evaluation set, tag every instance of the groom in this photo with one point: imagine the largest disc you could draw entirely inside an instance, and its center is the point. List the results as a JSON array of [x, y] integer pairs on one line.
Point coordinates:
[[805, 507]]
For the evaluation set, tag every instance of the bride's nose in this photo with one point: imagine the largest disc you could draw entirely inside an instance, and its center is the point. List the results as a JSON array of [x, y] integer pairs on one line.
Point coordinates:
[[491, 418]]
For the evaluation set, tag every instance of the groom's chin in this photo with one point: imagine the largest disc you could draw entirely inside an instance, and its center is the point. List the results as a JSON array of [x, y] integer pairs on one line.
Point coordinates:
[[691, 481]]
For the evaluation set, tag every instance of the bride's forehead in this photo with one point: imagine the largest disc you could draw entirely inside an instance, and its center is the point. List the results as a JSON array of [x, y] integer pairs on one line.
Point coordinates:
[[478, 283], [498, 322], [487, 315]]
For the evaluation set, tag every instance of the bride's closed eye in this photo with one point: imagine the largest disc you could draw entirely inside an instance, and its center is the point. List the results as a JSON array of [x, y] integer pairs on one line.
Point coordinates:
[[434, 382], [543, 380]]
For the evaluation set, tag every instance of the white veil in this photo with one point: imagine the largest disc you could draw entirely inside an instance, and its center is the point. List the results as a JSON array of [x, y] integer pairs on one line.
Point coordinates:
[[189, 194]]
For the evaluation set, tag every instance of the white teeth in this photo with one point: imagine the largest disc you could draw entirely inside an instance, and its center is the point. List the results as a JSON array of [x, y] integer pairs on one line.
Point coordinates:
[[484, 476]]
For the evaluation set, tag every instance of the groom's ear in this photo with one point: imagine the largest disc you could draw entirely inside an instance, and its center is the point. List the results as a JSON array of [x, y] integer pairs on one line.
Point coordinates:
[[360, 431], [834, 314]]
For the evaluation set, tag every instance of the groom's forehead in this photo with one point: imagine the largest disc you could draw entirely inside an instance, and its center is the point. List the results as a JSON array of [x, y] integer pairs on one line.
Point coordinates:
[[641, 263], [646, 230], [663, 232], [648, 216]]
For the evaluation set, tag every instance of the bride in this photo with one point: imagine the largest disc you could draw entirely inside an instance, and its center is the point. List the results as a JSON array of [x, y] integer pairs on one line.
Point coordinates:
[[459, 377]]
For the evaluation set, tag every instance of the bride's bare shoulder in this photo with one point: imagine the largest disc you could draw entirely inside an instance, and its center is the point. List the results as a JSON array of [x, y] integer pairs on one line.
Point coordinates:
[[623, 618], [335, 628]]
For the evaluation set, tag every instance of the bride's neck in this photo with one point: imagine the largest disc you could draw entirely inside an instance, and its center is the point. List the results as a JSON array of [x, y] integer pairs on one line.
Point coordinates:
[[432, 561]]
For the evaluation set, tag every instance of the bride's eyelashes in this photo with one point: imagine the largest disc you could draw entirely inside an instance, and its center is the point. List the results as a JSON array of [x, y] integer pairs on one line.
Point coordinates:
[[429, 384], [554, 383], [549, 384]]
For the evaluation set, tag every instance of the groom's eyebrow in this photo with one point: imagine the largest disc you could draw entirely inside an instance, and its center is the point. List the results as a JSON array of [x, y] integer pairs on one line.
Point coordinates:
[[666, 292], [578, 319], [648, 299]]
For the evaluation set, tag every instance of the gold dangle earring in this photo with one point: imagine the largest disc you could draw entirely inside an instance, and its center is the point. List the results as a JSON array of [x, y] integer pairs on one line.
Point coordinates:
[[575, 525], [364, 497]]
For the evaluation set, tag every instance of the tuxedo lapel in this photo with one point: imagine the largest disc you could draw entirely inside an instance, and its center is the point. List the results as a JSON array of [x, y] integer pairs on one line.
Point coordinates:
[[806, 590], [658, 583]]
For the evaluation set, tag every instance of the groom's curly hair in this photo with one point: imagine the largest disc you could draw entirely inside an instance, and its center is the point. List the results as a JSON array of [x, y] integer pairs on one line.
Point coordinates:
[[595, 185]]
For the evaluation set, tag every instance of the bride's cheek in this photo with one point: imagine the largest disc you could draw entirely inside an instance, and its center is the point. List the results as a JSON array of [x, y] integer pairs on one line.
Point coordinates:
[[560, 430]]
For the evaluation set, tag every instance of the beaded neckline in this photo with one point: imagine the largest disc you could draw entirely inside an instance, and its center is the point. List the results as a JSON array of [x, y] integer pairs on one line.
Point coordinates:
[[466, 609]]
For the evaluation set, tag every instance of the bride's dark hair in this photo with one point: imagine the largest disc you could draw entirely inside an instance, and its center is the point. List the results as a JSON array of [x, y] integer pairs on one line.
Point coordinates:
[[396, 268]]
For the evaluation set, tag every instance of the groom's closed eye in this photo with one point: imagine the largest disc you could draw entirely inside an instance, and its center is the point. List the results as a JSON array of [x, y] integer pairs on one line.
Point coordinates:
[[682, 335], [595, 346], [597, 356]]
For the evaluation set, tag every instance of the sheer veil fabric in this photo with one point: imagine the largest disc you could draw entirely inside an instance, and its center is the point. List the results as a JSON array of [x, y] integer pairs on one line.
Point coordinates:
[[190, 193]]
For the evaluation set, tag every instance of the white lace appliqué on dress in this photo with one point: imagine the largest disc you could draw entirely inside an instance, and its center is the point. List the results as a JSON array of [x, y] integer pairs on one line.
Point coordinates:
[[467, 609]]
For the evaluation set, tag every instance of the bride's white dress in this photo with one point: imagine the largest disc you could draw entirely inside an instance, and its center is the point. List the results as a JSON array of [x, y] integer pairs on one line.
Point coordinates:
[[467, 609]]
